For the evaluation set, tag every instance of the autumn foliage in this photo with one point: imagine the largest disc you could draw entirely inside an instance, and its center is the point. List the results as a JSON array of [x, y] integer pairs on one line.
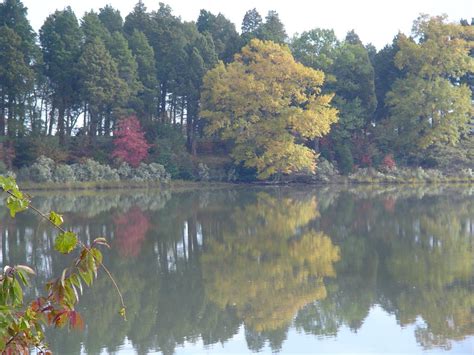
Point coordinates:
[[269, 105], [388, 162], [130, 145]]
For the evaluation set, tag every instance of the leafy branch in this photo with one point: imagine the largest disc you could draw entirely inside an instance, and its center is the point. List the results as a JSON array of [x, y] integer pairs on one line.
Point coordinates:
[[20, 326]]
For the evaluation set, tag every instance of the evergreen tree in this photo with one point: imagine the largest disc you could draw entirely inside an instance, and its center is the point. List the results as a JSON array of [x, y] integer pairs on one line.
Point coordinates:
[[386, 73], [126, 64], [13, 14], [93, 28], [251, 21], [18, 98], [223, 32], [201, 57], [101, 86], [273, 29], [111, 19], [168, 41], [139, 19], [16, 79], [145, 103], [61, 40]]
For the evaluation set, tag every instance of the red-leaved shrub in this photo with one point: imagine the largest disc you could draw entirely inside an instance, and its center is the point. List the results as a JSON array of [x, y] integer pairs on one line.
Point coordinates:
[[130, 145], [388, 162]]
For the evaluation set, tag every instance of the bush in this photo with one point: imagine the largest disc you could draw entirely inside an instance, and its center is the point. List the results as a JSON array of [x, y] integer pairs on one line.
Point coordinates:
[[170, 151], [129, 142], [203, 172], [90, 170], [41, 170], [125, 171], [45, 170], [325, 170], [150, 172], [64, 173]]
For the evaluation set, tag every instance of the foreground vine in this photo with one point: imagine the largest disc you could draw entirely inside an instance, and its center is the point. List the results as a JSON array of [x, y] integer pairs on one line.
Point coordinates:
[[21, 325]]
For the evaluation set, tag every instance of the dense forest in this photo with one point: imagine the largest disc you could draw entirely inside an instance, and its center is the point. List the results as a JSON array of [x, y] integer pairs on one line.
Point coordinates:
[[253, 103]]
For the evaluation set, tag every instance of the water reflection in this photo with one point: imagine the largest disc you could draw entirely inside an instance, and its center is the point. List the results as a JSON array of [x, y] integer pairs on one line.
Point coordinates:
[[266, 263], [207, 265]]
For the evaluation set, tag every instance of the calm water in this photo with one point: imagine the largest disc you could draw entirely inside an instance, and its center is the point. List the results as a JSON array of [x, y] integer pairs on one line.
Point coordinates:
[[289, 270]]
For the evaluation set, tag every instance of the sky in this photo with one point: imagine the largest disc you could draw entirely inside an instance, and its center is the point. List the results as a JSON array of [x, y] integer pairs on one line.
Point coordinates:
[[375, 21]]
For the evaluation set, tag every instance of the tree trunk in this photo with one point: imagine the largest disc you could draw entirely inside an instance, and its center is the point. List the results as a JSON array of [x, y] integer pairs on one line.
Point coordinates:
[[163, 103], [51, 120], [11, 117], [2, 116], [61, 114]]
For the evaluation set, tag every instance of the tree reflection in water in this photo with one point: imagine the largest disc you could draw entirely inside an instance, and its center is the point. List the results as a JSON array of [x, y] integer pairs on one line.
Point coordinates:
[[130, 231], [197, 266]]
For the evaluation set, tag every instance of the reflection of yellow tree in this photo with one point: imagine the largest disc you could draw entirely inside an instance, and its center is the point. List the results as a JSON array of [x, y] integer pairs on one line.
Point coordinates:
[[269, 267]]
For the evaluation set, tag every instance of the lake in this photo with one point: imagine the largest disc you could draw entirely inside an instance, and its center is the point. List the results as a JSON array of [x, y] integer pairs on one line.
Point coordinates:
[[265, 269]]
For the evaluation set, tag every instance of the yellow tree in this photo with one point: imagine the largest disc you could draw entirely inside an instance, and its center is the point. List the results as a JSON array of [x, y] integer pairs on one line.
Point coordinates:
[[430, 105], [269, 105]]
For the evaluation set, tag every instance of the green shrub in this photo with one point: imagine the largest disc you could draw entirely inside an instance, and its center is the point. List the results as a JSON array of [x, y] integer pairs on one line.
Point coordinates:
[[150, 173], [41, 170], [170, 151], [345, 161], [125, 171], [90, 170], [325, 170], [64, 174]]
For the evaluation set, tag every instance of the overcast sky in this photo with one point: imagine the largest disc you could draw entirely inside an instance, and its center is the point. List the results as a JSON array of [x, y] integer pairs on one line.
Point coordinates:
[[375, 21]]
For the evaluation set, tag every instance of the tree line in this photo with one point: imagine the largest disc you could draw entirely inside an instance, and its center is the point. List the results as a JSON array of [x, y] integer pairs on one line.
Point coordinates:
[[79, 77]]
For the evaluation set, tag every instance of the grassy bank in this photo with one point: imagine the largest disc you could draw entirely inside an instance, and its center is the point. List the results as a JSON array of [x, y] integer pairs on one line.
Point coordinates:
[[90, 185], [184, 185]]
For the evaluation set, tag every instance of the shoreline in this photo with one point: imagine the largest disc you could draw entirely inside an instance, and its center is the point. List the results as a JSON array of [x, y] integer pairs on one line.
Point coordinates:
[[179, 185]]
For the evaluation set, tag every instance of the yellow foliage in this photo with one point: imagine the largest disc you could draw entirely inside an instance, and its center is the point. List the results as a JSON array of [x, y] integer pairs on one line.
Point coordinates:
[[268, 269], [268, 104]]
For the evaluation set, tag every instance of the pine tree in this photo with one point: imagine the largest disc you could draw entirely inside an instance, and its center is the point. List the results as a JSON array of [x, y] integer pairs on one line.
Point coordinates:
[[61, 40], [273, 29], [111, 19], [145, 103], [101, 87]]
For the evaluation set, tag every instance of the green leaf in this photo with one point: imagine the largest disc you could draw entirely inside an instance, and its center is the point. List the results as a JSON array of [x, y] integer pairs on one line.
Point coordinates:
[[8, 183], [55, 218], [17, 292], [97, 255], [16, 205], [65, 242]]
